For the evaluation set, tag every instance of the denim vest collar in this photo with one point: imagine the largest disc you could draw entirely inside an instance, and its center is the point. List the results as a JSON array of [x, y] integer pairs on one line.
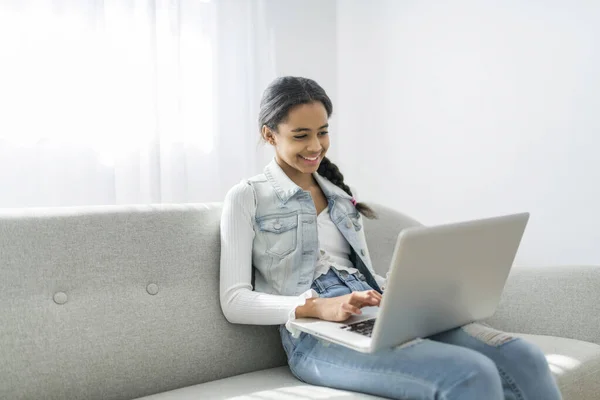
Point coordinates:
[[285, 188]]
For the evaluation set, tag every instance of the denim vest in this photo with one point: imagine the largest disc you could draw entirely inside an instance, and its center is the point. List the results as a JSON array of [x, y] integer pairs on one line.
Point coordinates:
[[286, 244]]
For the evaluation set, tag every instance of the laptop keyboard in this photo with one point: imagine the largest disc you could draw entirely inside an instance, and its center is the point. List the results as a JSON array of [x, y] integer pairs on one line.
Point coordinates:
[[363, 327]]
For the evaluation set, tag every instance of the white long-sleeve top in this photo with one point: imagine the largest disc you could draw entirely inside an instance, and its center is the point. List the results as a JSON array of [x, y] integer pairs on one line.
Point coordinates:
[[334, 248], [239, 302]]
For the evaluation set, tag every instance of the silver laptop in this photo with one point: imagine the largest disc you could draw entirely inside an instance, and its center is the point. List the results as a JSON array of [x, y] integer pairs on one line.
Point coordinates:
[[441, 277]]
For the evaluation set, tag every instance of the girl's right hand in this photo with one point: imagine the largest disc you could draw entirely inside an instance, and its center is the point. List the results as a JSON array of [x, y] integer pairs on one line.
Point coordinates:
[[340, 308]]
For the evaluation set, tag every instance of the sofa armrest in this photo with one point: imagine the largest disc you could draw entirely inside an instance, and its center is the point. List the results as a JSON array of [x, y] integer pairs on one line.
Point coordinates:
[[559, 301]]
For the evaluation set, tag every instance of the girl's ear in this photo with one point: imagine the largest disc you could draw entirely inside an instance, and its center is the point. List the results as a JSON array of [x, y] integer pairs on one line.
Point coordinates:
[[268, 135]]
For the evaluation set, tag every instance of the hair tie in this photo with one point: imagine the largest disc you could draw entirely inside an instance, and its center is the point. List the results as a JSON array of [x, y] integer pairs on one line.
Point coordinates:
[[353, 200]]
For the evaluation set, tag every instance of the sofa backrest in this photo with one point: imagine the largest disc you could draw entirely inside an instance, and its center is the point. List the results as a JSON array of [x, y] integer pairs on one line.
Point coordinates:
[[382, 234], [119, 302], [116, 303]]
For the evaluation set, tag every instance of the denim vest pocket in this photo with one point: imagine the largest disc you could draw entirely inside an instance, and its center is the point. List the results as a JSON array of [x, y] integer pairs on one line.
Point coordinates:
[[280, 233], [355, 218]]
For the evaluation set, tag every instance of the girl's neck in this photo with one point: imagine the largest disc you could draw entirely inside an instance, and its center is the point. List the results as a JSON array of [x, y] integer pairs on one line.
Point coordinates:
[[305, 181]]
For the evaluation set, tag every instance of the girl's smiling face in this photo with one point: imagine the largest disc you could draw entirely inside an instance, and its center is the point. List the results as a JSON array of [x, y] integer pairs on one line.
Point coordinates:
[[301, 140]]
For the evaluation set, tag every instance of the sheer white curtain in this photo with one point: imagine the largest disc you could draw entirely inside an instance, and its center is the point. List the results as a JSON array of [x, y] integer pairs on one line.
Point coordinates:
[[113, 101]]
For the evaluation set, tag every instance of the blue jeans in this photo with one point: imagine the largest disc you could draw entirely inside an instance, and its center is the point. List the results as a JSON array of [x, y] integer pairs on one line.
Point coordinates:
[[474, 362]]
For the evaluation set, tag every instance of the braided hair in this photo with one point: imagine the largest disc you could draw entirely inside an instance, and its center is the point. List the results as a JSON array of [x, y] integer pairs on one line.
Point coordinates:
[[331, 171], [287, 92]]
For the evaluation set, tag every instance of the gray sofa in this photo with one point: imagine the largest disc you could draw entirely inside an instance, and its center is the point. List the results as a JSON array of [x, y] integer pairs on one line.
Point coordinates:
[[122, 302]]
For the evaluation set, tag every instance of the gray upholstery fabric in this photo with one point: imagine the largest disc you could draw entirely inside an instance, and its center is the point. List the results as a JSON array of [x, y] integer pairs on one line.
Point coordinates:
[[112, 339], [382, 234], [574, 363], [271, 384], [556, 301], [120, 302]]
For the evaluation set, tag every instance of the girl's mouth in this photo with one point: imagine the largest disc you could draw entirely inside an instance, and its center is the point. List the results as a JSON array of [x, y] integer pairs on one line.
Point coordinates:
[[311, 160]]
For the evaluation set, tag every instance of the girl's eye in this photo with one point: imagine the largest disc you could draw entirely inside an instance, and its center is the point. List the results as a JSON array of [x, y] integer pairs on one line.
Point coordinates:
[[304, 136]]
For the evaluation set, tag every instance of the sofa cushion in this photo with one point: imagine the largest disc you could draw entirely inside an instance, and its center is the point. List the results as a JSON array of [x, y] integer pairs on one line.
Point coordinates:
[[275, 383], [575, 364]]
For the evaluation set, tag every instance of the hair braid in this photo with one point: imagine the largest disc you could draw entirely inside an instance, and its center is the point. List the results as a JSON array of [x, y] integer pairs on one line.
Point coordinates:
[[331, 171]]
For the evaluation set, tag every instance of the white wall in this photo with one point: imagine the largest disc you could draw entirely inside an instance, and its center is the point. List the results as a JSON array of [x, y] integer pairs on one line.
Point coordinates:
[[304, 39], [464, 109], [301, 41]]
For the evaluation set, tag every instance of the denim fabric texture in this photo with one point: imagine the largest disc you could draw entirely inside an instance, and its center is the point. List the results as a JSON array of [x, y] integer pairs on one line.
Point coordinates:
[[474, 362], [286, 243]]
